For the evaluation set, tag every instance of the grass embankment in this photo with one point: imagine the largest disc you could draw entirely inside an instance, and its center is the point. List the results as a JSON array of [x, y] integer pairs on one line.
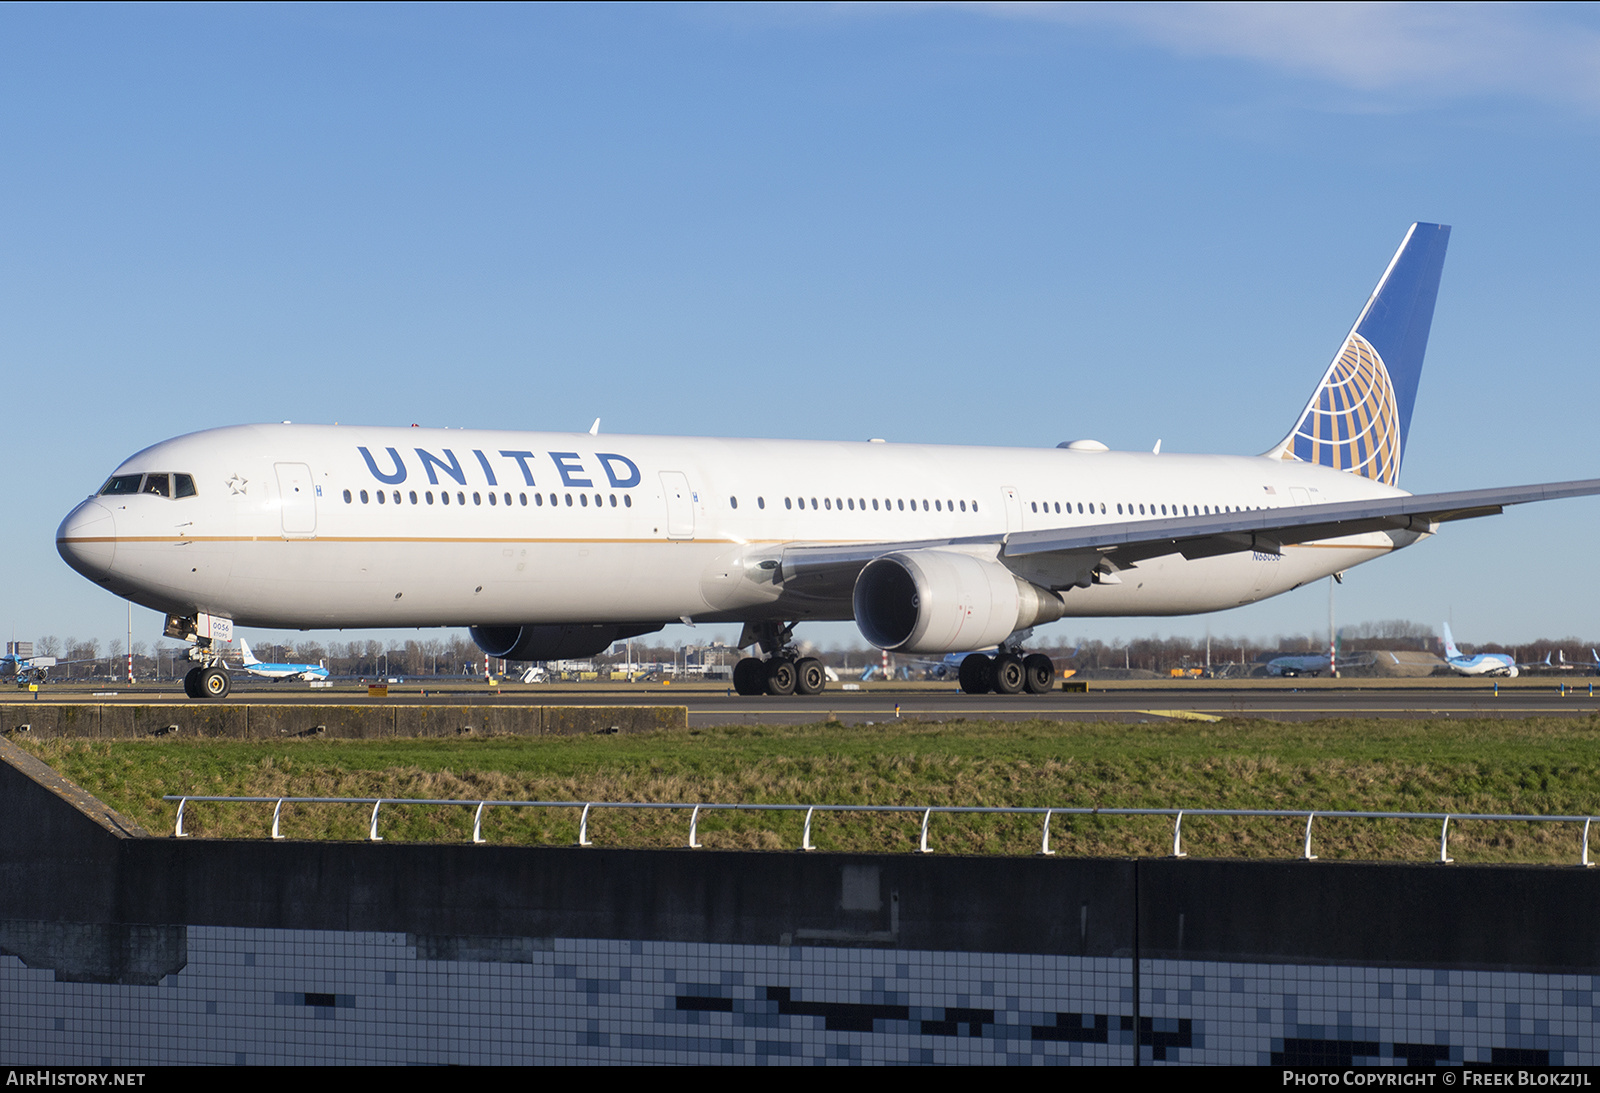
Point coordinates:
[[1537, 765]]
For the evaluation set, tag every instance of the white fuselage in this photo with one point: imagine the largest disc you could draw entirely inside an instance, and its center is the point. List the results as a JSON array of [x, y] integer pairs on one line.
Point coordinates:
[[285, 527]]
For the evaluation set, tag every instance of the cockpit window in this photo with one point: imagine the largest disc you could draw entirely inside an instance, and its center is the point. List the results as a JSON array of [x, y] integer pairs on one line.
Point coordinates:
[[121, 483], [157, 485]]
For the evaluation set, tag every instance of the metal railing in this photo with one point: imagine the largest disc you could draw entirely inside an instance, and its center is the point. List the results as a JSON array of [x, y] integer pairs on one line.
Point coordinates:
[[927, 811]]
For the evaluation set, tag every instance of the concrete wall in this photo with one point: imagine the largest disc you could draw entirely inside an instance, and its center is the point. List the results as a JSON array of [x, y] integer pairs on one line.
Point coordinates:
[[46, 720]]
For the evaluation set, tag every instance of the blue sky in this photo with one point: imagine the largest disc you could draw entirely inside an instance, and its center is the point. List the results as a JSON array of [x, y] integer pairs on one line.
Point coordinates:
[[962, 223]]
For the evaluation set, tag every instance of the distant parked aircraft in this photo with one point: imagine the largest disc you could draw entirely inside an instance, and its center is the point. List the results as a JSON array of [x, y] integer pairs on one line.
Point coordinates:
[[280, 671], [1484, 664]]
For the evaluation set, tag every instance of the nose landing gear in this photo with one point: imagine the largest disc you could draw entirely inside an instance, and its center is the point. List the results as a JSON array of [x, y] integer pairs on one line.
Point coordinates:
[[209, 678]]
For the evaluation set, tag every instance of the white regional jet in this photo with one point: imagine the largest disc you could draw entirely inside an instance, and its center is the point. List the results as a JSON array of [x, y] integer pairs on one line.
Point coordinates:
[[555, 545]]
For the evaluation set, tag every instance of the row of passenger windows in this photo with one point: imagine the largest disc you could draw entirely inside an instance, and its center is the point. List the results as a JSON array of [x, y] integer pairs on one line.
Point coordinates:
[[1142, 510], [852, 504], [426, 498], [183, 486], [160, 485]]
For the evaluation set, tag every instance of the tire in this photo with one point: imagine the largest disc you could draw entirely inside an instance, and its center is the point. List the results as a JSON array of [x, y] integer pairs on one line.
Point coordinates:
[[191, 683], [1009, 675], [749, 677], [809, 677], [215, 683], [780, 677], [1039, 672], [977, 674]]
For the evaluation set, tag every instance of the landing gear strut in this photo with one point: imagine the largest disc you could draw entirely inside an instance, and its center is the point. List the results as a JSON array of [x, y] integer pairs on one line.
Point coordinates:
[[209, 678], [783, 671]]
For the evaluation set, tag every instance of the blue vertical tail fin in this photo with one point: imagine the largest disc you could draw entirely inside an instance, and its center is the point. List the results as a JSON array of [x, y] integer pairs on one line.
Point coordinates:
[[1359, 415], [1450, 650]]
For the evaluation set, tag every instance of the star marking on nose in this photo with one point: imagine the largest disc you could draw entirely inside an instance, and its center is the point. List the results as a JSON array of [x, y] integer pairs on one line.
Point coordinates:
[[237, 484]]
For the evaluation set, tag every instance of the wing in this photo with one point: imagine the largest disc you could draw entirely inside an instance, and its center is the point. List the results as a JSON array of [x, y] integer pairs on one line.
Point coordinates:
[[1060, 557]]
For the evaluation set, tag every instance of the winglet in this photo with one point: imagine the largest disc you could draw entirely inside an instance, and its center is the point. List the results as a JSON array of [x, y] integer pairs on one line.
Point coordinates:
[[1360, 414]]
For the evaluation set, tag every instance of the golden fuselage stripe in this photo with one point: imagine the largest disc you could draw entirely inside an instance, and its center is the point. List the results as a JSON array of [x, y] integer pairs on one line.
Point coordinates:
[[628, 542]]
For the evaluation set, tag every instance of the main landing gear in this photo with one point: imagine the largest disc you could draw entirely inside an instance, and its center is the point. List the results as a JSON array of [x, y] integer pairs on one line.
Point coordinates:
[[209, 678], [1007, 673], [784, 671]]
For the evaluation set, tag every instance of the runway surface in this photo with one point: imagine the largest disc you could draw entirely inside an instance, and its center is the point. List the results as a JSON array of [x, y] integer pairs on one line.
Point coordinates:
[[709, 705]]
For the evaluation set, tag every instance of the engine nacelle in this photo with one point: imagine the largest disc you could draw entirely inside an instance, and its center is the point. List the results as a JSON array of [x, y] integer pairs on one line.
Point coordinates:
[[554, 642], [944, 601]]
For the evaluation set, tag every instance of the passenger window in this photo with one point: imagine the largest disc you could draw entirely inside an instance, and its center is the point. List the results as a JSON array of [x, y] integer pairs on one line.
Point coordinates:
[[522, 499], [761, 502], [363, 497], [444, 497], [413, 497], [382, 499], [787, 503], [613, 500], [569, 500], [347, 497], [508, 499], [428, 497], [397, 497], [827, 503], [183, 485], [538, 499], [627, 501], [583, 499], [476, 498], [492, 500], [733, 502]]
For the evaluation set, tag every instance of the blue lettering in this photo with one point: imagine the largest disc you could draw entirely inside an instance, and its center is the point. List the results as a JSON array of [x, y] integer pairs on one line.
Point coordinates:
[[394, 479], [452, 468], [522, 461], [483, 461], [632, 479], [560, 459]]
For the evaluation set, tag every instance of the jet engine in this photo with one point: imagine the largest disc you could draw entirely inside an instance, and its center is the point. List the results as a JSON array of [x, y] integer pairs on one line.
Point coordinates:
[[554, 642], [944, 601]]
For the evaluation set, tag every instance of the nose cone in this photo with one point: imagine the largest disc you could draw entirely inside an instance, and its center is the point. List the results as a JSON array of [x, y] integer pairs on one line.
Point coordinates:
[[87, 539]]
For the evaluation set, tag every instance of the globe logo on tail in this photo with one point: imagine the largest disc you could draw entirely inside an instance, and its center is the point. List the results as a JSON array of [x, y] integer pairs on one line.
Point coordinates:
[[1353, 422]]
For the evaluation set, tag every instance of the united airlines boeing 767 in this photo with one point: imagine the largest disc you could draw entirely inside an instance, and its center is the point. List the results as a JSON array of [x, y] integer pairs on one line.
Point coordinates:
[[555, 545]]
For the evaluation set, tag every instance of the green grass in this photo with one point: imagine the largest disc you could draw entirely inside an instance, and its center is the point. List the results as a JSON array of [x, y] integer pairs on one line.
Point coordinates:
[[1540, 765]]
